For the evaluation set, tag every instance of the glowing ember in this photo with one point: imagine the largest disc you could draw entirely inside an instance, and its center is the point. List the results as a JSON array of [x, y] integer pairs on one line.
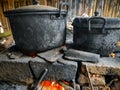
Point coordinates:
[[31, 54], [118, 43], [51, 85], [112, 55]]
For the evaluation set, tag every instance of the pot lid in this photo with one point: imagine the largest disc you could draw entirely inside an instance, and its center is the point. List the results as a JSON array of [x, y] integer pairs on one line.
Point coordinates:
[[36, 8], [32, 9]]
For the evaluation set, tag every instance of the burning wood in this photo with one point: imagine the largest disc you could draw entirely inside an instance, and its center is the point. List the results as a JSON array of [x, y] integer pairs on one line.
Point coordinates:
[[53, 85]]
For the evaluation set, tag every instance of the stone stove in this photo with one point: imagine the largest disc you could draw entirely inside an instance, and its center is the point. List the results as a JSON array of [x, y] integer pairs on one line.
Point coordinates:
[[26, 70], [104, 75], [21, 71]]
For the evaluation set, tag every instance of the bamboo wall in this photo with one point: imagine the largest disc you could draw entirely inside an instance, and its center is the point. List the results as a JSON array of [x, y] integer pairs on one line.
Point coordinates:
[[106, 8]]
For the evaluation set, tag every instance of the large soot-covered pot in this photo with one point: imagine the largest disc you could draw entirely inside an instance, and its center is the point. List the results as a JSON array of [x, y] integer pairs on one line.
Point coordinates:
[[38, 28], [97, 34]]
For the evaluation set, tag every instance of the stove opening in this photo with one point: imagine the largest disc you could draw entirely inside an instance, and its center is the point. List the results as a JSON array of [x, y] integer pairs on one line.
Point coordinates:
[[55, 85]]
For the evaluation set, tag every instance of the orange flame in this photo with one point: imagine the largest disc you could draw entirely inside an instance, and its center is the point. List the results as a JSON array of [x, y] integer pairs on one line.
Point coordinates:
[[51, 85]]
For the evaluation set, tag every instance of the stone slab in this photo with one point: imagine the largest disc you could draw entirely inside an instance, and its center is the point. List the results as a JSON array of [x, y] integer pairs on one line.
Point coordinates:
[[18, 70], [96, 88], [9, 86], [105, 66], [62, 70], [95, 80], [15, 70]]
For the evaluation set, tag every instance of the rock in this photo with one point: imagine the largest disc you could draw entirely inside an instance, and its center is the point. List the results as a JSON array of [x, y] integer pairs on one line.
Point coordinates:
[[50, 55], [105, 66], [98, 80], [15, 72], [27, 69], [9, 86], [64, 70], [96, 88], [115, 84], [95, 79], [82, 80]]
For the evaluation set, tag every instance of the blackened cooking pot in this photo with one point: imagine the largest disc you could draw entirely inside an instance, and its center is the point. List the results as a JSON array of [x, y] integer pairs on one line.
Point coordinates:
[[38, 28], [97, 34]]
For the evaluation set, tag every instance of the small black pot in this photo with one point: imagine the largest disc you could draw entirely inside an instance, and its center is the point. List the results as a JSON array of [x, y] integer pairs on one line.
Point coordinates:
[[38, 28], [97, 34]]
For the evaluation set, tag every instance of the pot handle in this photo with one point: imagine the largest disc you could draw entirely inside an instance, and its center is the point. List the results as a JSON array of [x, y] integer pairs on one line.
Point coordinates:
[[96, 18], [61, 6]]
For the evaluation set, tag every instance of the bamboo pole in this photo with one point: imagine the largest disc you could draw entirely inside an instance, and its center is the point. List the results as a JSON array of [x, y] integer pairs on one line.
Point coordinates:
[[45, 2], [104, 8], [114, 8], [3, 19], [1, 12], [24, 2], [86, 6], [117, 4], [48, 2], [80, 9], [94, 7], [11, 4], [91, 9]]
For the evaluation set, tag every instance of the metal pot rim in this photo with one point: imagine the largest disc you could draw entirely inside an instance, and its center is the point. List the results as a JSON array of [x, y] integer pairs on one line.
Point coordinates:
[[111, 23], [35, 9]]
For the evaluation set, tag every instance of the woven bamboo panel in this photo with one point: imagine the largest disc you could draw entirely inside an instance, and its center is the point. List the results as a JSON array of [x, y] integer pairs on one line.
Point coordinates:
[[106, 8]]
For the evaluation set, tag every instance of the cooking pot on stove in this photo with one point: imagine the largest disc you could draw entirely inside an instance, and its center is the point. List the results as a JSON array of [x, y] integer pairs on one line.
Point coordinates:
[[97, 34], [38, 28]]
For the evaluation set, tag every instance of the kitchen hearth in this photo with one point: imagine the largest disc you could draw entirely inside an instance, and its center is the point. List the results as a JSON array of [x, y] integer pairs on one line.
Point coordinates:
[[104, 75], [59, 45], [23, 71], [27, 70]]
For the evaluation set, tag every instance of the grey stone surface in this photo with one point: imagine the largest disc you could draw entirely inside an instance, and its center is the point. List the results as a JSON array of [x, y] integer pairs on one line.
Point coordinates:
[[81, 56], [15, 71], [18, 70], [65, 70], [95, 80], [51, 55], [106, 66], [9, 86]]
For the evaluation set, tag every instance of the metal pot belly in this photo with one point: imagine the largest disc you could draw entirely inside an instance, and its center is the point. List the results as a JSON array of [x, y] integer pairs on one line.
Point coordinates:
[[97, 40], [37, 32]]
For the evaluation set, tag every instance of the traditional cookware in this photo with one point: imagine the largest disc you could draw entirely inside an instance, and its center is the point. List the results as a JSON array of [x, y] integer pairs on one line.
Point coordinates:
[[97, 34], [38, 28]]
